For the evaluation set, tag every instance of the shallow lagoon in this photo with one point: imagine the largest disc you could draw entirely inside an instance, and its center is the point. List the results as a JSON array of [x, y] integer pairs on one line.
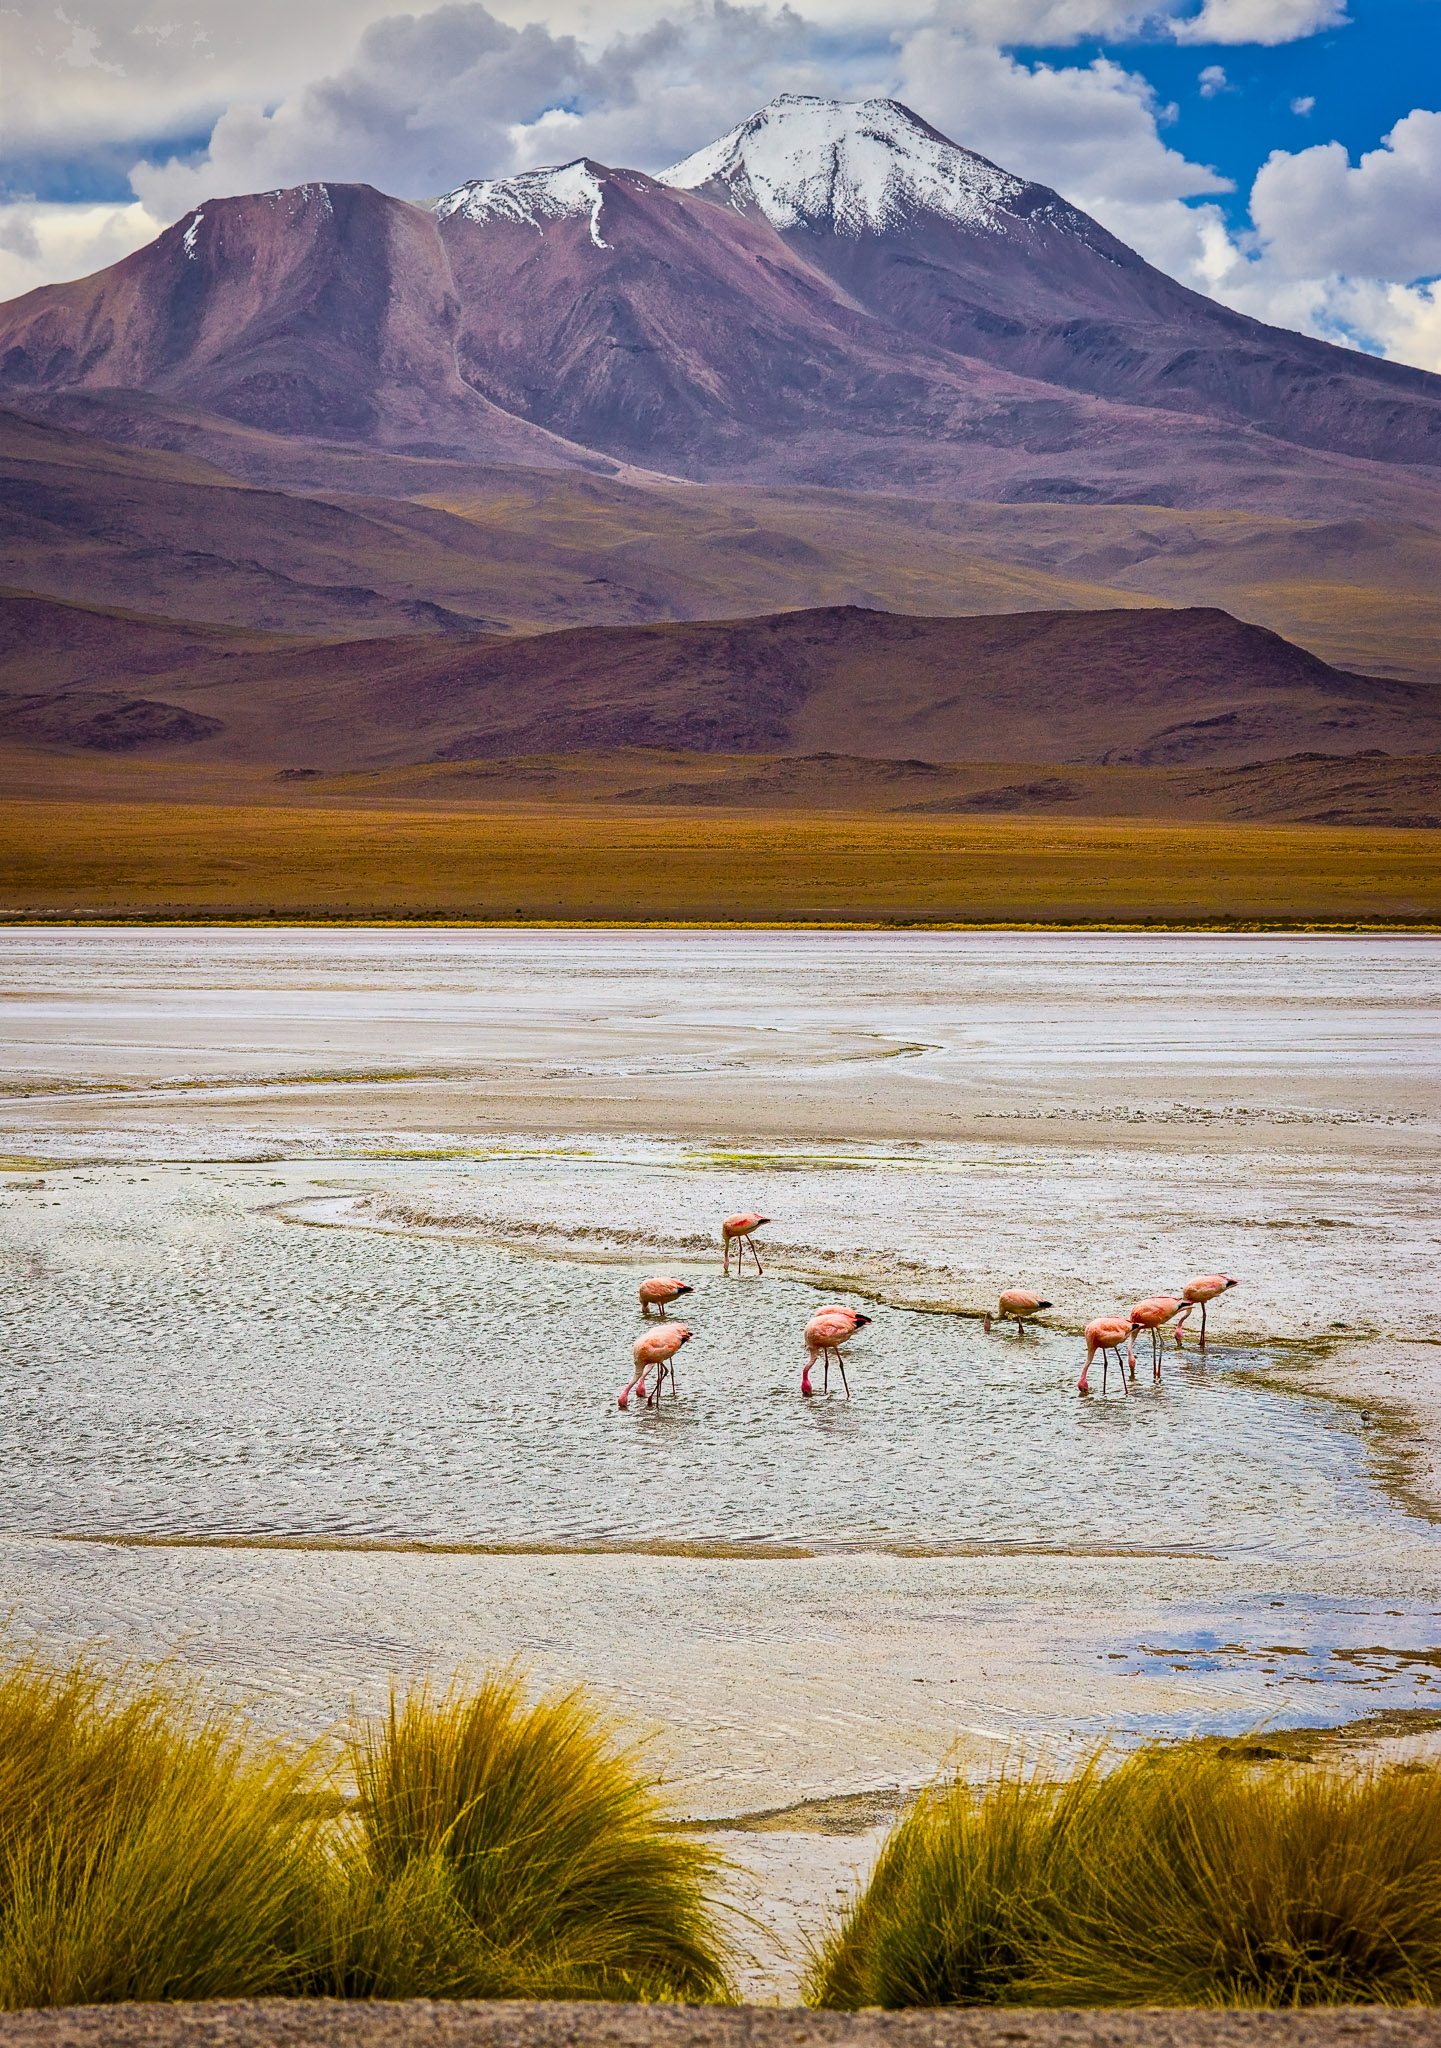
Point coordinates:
[[189, 1359]]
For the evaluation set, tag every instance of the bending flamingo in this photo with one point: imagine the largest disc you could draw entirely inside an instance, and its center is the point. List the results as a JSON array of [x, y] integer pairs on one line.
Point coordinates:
[[656, 1348], [737, 1230], [1153, 1314], [826, 1331], [1106, 1334], [658, 1293], [1018, 1303], [1203, 1289]]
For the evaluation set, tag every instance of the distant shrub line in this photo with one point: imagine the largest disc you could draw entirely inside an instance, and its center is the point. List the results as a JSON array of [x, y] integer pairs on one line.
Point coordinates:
[[487, 1847]]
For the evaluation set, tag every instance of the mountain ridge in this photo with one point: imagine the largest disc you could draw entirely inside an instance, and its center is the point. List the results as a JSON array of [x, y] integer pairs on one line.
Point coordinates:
[[901, 315]]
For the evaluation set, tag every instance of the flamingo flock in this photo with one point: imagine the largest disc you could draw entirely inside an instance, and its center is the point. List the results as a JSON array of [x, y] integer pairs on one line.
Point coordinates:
[[653, 1353]]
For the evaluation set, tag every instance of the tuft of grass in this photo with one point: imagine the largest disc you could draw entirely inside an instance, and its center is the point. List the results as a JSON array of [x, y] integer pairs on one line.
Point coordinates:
[[148, 1851], [1179, 1878], [506, 1850], [145, 1851]]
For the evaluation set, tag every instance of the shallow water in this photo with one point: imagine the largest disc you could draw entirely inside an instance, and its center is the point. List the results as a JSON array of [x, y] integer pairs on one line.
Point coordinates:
[[187, 1361]]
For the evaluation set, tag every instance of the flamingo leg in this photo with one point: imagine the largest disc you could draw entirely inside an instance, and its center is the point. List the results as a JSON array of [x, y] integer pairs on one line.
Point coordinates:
[[826, 1362], [760, 1269], [844, 1381], [1203, 1325]]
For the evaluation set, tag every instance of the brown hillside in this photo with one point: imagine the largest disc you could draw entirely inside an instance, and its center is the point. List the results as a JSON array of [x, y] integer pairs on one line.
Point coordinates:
[[1149, 688]]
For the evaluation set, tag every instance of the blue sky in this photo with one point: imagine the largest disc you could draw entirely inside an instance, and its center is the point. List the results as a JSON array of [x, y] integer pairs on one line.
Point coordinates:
[[1283, 155], [1360, 78]]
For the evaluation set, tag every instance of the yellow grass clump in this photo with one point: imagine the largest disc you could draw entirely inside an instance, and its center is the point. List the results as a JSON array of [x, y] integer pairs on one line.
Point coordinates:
[[145, 1851], [511, 1851], [149, 1852], [1180, 1878]]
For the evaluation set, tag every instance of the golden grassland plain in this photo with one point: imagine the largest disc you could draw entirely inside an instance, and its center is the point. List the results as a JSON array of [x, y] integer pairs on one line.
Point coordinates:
[[550, 861]]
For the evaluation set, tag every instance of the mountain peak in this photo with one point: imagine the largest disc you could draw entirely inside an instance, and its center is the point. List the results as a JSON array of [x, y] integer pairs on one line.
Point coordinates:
[[847, 165], [531, 198]]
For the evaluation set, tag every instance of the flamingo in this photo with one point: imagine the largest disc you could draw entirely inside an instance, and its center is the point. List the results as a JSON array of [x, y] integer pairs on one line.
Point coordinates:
[[1106, 1334], [738, 1229], [826, 1331], [1018, 1303], [1203, 1289], [1153, 1314], [655, 1348], [657, 1293]]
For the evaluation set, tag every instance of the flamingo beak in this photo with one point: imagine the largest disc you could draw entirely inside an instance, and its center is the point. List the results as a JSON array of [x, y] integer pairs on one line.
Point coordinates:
[[684, 1290], [861, 1322], [685, 1339]]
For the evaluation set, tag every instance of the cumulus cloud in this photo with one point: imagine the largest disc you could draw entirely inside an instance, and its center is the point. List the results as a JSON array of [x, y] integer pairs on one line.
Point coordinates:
[[432, 99], [42, 244], [1349, 252], [1258, 21], [1092, 131], [1315, 211], [1212, 80]]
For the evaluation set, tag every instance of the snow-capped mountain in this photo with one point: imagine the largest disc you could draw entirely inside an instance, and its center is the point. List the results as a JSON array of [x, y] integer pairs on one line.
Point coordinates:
[[833, 293], [566, 192], [846, 167]]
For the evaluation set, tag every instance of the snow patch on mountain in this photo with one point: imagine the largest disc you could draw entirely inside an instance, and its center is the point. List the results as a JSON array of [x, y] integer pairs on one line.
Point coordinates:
[[188, 240], [531, 198], [847, 165]]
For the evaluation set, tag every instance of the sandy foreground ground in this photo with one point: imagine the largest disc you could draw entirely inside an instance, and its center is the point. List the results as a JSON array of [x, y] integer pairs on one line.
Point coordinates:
[[1284, 1117]]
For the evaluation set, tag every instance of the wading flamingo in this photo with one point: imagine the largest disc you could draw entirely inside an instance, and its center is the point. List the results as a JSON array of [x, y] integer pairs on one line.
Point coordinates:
[[826, 1331], [1203, 1289], [1153, 1314], [737, 1230], [657, 1293], [1018, 1303], [1106, 1334], [656, 1348]]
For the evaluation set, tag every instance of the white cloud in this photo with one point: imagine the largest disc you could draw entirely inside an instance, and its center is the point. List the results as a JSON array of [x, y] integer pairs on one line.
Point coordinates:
[[430, 100], [1304, 103], [1092, 131], [1212, 80], [1258, 21], [48, 244], [1315, 212]]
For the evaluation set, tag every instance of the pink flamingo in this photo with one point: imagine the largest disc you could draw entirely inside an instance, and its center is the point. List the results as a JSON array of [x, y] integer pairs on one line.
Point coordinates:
[[826, 1331], [737, 1230], [658, 1293], [1153, 1314], [1018, 1303], [1203, 1289], [655, 1348], [1106, 1334]]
